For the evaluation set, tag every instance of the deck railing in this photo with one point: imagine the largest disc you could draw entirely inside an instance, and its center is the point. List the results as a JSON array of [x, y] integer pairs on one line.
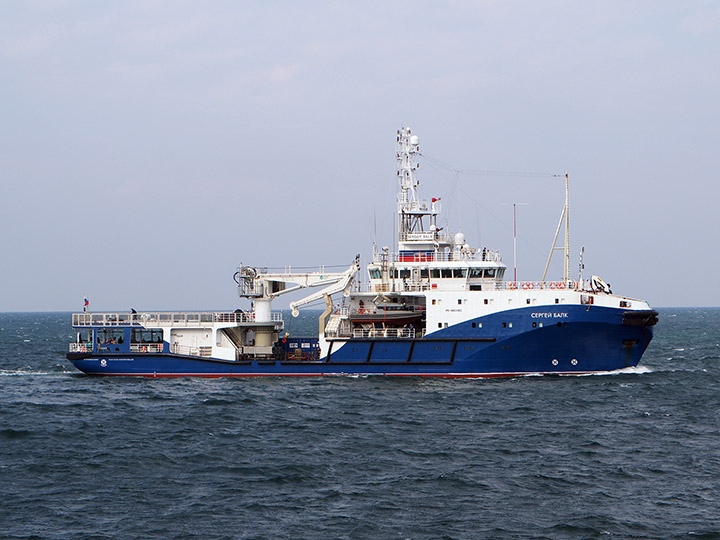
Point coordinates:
[[539, 285], [445, 256], [146, 347], [81, 347], [178, 318], [191, 351], [384, 333]]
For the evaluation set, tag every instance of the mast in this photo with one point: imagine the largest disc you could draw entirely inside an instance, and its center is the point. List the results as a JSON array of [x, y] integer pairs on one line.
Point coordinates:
[[566, 270], [418, 234], [564, 216]]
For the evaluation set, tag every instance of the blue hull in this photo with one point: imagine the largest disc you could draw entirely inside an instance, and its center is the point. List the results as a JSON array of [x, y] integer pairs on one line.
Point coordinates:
[[549, 340]]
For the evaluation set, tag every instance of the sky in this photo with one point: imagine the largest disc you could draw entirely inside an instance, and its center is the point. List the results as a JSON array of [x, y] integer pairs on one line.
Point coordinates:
[[148, 148]]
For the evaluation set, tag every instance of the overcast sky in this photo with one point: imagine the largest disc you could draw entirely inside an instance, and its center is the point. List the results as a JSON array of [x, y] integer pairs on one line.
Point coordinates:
[[148, 148]]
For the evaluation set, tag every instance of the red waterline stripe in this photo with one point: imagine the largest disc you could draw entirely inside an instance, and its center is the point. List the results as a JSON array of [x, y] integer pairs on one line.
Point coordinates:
[[335, 374]]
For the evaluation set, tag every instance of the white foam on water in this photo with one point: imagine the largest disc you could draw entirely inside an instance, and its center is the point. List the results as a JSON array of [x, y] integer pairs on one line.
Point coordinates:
[[635, 370]]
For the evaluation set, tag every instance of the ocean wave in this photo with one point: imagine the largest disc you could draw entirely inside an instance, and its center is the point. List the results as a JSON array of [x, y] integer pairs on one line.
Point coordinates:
[[20, 372]]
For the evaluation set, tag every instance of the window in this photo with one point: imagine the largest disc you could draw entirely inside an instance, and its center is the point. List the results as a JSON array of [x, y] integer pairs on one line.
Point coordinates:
[[404, 273], [84, 336], [446, 272], [423, 273], [433, 301], [149, 335], [110, 335], [490, 272], [459, 272], [435, 273], [375, 273], [476, 273]]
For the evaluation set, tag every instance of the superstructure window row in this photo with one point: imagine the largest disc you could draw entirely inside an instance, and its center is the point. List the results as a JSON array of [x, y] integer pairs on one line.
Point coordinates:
[[438, 273]]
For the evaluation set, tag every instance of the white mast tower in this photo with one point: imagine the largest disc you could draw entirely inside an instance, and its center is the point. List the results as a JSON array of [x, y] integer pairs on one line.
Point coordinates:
[[415, 242]]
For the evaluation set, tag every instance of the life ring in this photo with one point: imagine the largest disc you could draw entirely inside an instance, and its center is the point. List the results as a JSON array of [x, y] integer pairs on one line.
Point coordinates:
[[83, 348], [512, 285], [143, 349], [528, 285], [561, 285], [362, 311]]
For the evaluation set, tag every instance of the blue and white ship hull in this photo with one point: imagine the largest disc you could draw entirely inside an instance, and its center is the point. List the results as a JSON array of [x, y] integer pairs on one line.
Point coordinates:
[[574, 341]]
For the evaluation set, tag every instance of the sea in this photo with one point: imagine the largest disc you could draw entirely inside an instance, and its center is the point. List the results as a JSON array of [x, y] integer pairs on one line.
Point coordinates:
[[626, 455]]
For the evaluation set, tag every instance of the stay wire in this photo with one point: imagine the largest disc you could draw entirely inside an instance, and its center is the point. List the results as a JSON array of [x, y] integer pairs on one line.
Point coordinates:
[[455, 186]]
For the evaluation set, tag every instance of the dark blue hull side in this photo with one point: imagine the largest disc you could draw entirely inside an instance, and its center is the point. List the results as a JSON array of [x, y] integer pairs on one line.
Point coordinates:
[[546, 339]]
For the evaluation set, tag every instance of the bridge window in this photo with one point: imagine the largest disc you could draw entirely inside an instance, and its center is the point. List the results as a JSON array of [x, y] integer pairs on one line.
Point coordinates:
[[423, 273], [404, 273], [476, 272], [435, 273], [490, 272], [446, 272], [459, 272], [375, 273]]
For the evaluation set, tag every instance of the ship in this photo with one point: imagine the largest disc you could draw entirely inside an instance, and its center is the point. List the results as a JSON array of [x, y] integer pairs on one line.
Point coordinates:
[[432, 307]]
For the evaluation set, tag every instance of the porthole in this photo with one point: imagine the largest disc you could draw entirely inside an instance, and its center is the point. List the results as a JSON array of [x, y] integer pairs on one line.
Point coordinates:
[[574, 361], [555, 362]]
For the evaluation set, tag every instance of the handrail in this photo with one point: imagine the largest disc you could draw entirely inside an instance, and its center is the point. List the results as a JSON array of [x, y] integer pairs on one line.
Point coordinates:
[[205, 352], [448, 256], [146, 347], [540, 285], [167, 318], [384, 333]]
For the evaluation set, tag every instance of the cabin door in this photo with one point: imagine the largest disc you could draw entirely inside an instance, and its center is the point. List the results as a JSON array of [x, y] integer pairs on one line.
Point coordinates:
[[415, 277]]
